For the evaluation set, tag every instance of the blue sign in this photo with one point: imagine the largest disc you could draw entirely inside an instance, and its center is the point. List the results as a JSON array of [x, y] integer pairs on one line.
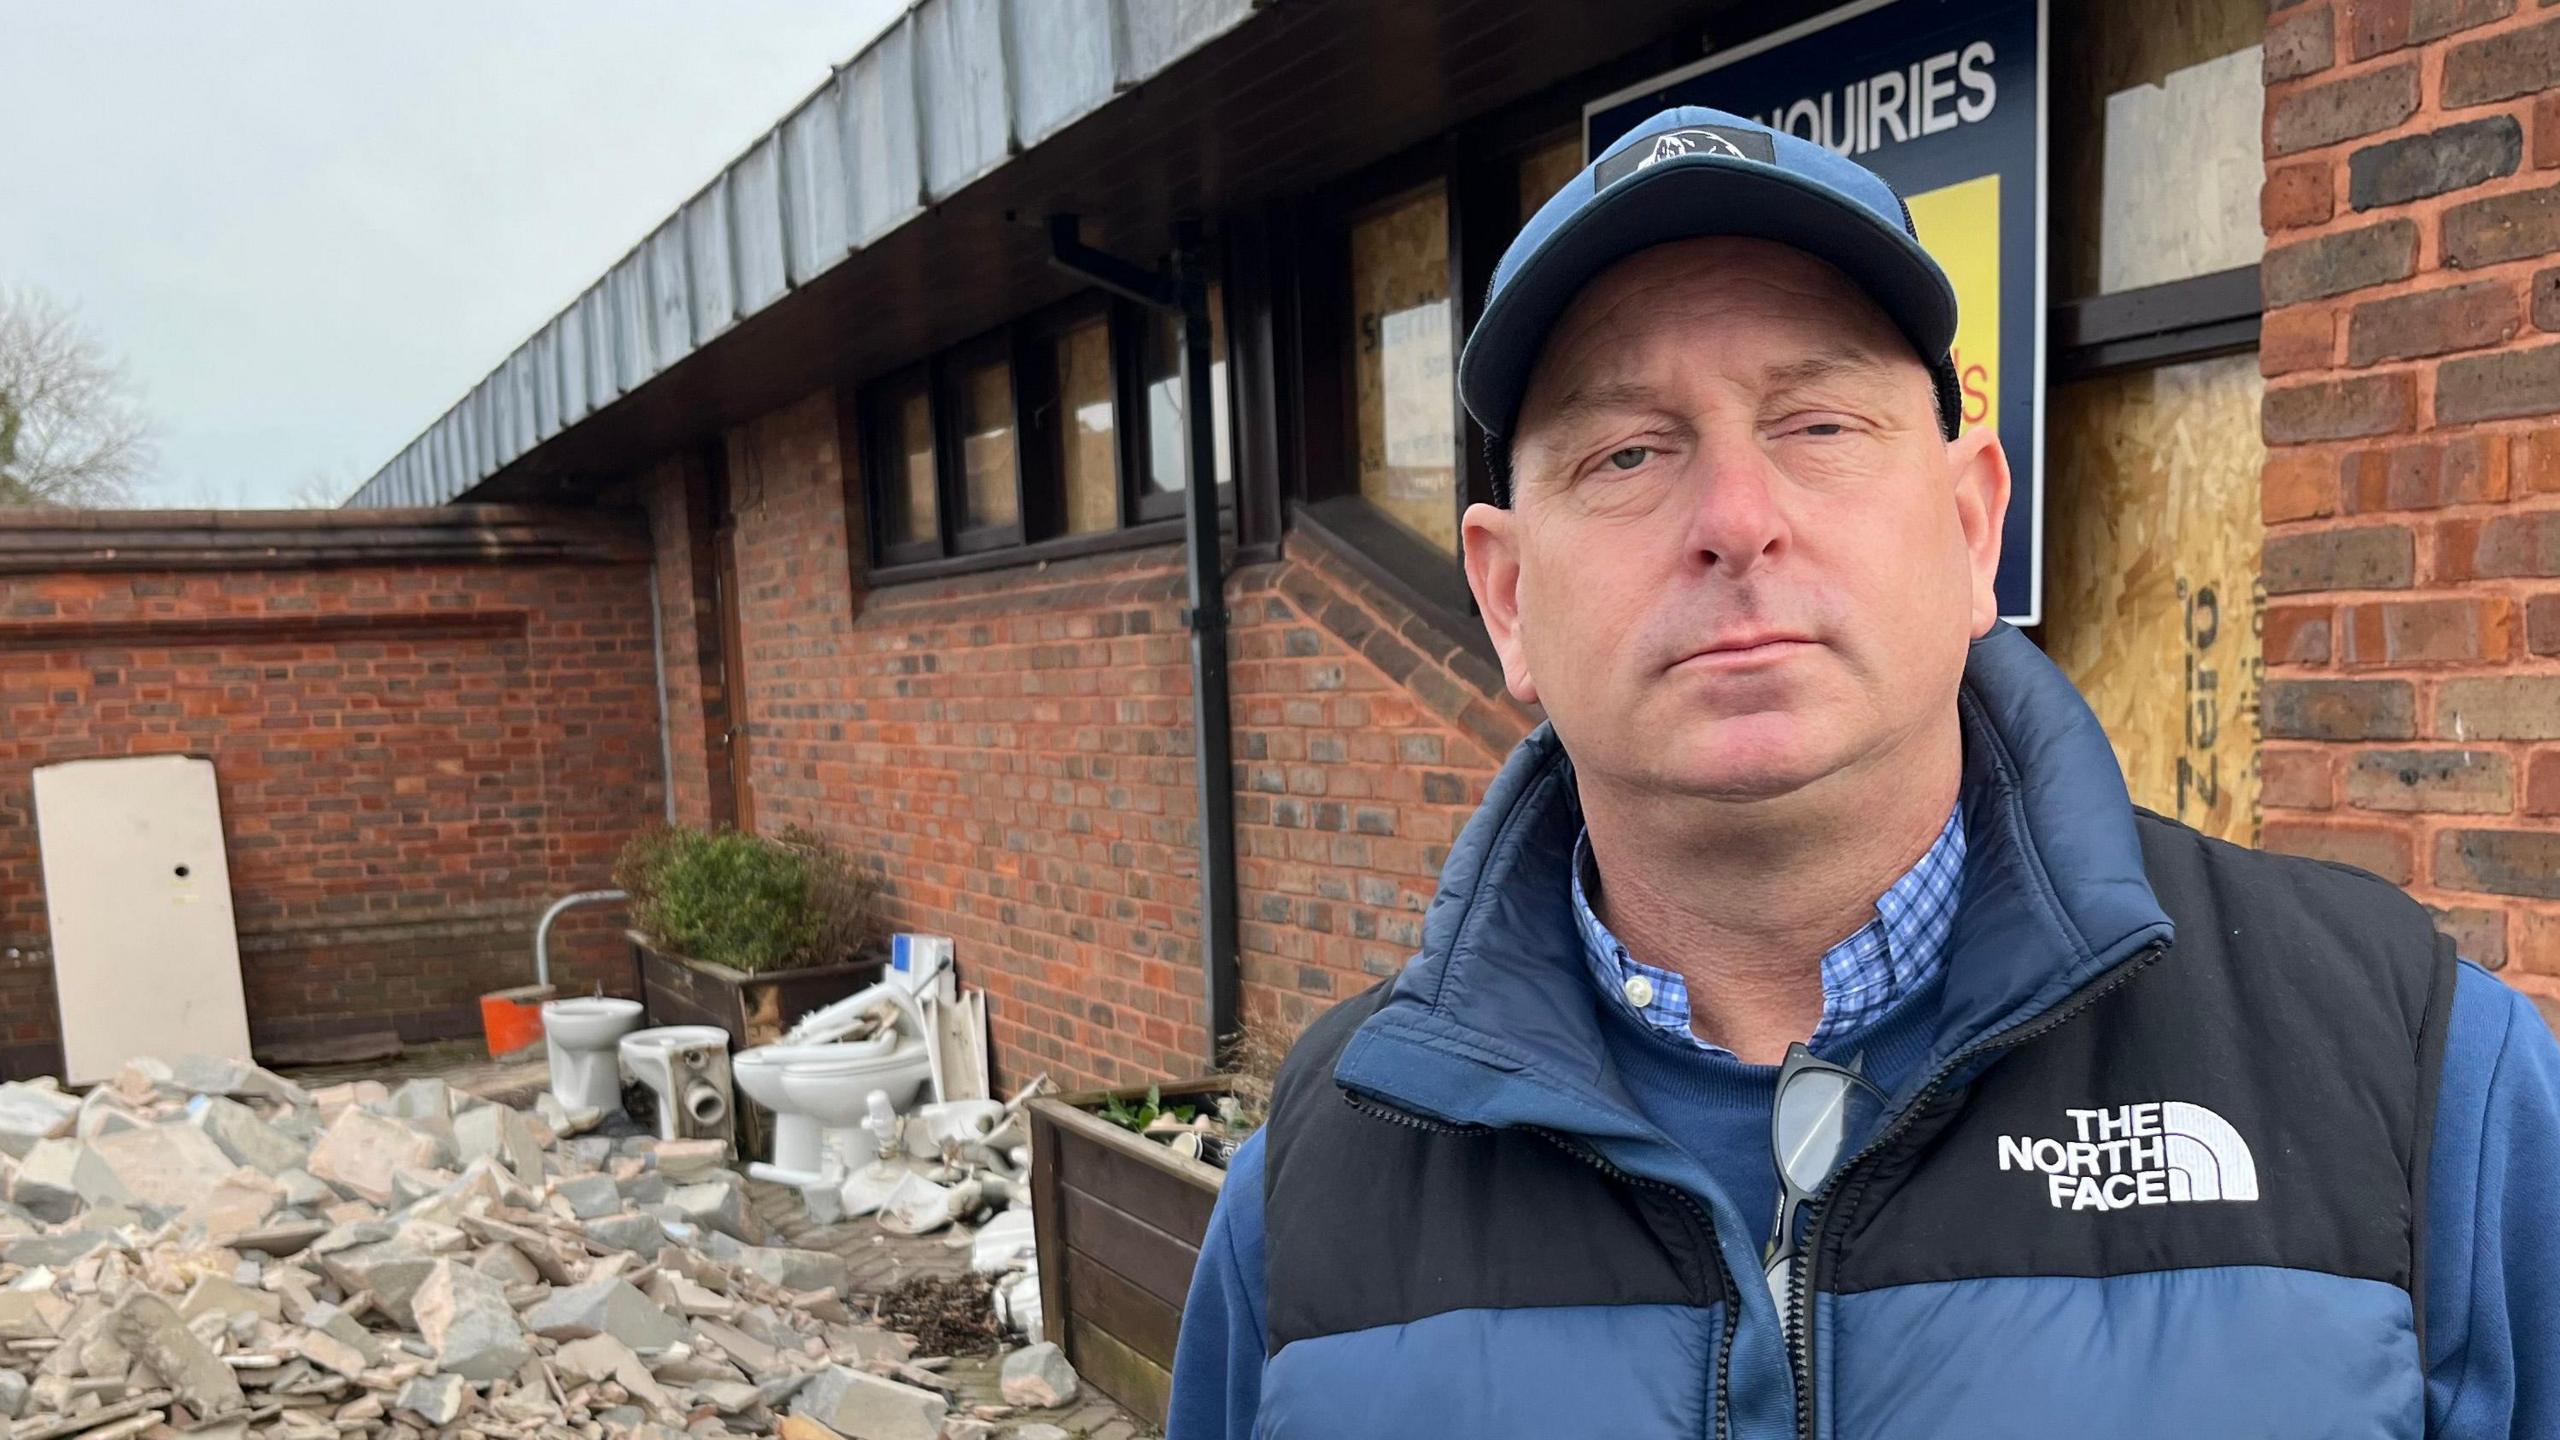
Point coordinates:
[[1945, 100]]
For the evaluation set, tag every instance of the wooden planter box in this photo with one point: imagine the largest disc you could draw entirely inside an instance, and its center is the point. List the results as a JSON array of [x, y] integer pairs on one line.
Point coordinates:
[[1119, 1219], [754, 1009]]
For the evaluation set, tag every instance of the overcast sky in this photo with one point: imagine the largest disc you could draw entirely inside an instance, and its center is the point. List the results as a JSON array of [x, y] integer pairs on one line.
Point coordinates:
[[309, 226]]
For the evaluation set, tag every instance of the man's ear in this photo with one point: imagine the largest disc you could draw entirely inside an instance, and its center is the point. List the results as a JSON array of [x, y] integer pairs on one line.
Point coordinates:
[[1980, 470], [1491, 535]]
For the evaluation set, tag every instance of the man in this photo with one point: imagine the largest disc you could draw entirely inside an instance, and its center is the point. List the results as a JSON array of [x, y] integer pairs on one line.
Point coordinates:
[[1809, 1037]]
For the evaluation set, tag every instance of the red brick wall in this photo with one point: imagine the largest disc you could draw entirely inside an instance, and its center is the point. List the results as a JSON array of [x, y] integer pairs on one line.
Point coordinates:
[[696, 710], [2413, 482], [1364, 741], [413, 757], [1015, 750]]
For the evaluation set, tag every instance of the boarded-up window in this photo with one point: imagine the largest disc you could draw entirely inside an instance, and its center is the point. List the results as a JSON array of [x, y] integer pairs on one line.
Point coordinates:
[[1163, 381], [1088, 437], [1544, 170], [2152, 606], [990, 494], [906, 493], [1401, 364]]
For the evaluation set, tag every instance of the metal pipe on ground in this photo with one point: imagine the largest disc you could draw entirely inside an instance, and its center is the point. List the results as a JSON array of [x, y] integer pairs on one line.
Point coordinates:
[[511, 1020], [542, 931]]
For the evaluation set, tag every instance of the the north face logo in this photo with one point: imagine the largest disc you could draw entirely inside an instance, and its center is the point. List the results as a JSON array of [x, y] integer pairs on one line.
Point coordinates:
[[2158, 1153]]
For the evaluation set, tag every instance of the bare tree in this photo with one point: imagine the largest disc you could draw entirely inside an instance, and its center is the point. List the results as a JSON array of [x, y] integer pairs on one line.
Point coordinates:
[[71, 431], [321, 489]]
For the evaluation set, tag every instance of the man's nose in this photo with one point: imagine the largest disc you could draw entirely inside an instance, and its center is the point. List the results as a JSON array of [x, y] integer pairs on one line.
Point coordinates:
[[1735, 524]]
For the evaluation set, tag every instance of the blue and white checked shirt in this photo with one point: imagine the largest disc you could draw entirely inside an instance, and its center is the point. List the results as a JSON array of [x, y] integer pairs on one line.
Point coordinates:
[[1900, 950]]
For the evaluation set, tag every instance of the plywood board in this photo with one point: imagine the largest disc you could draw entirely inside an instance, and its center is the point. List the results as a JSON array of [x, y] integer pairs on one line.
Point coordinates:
[[1402, 365], [2152, 579], [138, 897], [1088, 428], [1545, 170]]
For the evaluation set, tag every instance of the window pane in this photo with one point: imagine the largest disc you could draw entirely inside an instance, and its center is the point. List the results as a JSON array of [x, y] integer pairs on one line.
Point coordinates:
[[1163, 379], [1544, 170], [907, 492], [1088, 439], [1408, 412], [989, 495]]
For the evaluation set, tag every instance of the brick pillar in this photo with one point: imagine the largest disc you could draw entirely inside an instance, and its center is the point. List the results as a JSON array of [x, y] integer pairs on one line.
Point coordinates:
[[2412, 495]]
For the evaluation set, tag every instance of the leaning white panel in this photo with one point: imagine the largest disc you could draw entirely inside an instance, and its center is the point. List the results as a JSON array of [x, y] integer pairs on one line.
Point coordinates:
[[137, 896]]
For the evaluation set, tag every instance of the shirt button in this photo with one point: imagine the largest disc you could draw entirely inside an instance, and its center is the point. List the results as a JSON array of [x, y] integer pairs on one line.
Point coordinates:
[[1639, 991]]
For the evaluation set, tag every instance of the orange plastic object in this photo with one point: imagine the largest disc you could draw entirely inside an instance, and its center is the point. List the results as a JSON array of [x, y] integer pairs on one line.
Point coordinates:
[[512, 1019]]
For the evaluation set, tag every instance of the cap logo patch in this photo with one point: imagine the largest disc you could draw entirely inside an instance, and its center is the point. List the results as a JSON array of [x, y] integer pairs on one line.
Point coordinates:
[[1687, 140]]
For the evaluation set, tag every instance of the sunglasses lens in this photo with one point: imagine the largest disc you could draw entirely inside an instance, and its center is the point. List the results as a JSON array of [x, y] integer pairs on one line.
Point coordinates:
[[1812, 1115]]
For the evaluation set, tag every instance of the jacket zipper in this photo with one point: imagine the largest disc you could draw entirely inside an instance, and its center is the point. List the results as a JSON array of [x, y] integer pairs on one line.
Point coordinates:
[[1716, 1400], [1800, 1286]]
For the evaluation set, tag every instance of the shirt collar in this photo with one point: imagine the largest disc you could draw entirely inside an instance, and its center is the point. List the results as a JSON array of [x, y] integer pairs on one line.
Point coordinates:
[[1902, 949]]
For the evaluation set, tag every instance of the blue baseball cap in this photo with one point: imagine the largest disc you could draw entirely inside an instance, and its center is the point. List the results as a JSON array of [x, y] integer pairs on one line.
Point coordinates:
[[1686, 173]]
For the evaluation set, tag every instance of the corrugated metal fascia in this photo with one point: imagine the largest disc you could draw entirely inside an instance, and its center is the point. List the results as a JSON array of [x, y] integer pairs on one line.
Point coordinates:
[[946, 94]]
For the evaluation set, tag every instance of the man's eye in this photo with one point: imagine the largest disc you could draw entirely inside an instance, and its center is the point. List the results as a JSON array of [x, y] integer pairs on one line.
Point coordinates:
[[1824, 429], [1630, 457]]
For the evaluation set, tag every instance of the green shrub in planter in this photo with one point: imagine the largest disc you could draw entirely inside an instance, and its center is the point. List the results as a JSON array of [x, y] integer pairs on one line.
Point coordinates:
[[750, 902]]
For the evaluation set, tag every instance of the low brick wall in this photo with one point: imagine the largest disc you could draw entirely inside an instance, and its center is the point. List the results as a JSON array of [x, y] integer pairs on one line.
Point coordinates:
[[424, 726]]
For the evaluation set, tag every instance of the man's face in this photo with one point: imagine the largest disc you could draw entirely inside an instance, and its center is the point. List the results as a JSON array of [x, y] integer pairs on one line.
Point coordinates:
[[1740, 559]]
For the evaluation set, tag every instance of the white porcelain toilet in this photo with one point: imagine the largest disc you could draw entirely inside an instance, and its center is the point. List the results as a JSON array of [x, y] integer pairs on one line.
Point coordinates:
[[817, 1086], [579, 1039], [796, 1136], [687, 1068], [835, 1093]]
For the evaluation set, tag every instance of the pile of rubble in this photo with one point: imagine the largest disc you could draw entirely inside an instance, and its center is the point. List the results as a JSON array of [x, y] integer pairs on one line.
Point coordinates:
[[207, 1249]]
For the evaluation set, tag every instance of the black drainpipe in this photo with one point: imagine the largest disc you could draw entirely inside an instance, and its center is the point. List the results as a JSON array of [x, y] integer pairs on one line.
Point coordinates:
[[1182, 288]]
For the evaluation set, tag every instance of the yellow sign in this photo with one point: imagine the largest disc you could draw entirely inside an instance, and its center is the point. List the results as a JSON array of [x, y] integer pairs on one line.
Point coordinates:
[[1960, 227]]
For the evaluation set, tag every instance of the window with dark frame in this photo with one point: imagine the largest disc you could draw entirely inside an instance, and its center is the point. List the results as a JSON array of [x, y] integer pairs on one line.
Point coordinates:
[[1543, 171], [1162, 474], [985, 462], [904, 469], [1391, 461], [1045, 437], [1082, 425], [1403, 363]]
